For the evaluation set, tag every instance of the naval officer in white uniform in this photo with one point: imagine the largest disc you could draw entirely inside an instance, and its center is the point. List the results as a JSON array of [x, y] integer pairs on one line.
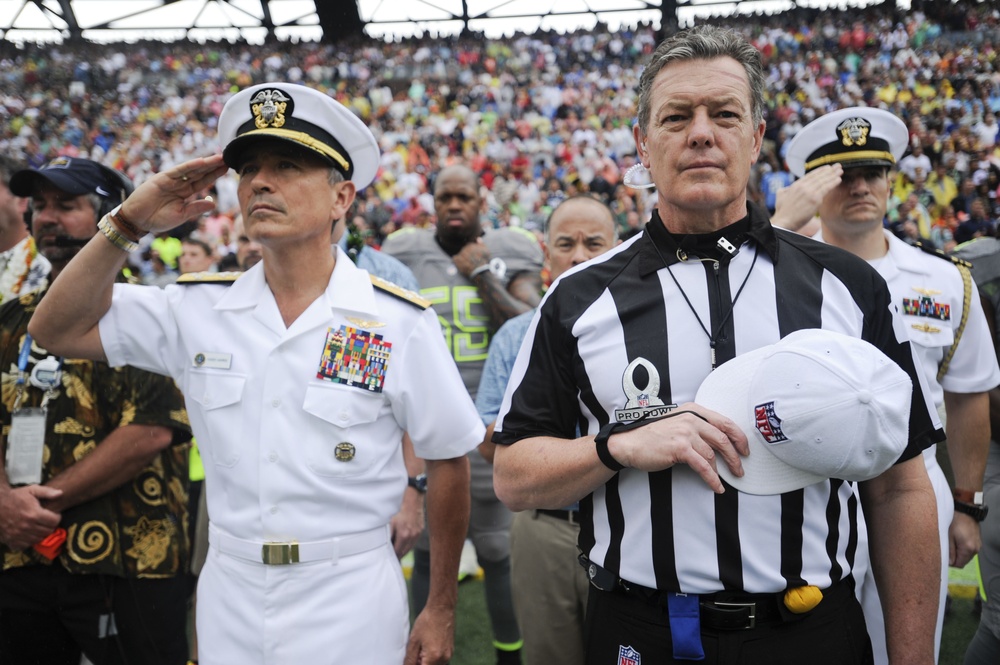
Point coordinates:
[[843, 159], [300, 377]]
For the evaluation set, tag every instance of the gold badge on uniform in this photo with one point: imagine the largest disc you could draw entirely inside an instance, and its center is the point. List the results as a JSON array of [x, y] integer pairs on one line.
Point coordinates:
[[854, 131], [365, 323], [344, 452], [269, 108]]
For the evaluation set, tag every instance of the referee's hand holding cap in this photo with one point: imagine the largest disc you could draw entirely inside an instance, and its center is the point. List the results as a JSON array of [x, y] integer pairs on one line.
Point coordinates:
[[302, 116], [852, 137], [815, 405]]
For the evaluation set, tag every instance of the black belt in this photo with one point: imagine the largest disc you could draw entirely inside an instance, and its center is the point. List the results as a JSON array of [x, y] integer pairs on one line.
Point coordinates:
[[723, 610], [571, 516]]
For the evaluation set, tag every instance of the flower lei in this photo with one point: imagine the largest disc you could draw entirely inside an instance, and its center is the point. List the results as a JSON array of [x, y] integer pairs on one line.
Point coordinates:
[[15, 267]]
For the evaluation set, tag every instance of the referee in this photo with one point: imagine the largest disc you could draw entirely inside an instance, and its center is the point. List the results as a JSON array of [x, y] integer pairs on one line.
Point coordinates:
[[682, 565]]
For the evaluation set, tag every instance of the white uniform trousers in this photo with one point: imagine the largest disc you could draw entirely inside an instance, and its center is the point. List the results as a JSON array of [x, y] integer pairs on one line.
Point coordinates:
[[353, 610]]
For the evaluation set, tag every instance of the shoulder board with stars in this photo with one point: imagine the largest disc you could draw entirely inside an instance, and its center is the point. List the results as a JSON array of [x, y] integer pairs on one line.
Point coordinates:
[[941, 255], [400, 292], [209, 277]]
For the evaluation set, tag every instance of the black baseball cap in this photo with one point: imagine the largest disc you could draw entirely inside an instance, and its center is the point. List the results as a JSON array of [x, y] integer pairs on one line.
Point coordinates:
[[76, 176]]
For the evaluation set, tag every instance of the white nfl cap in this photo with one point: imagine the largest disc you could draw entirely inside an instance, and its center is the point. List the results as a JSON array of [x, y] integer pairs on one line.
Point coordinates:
[[306, 117], [816, 405], [855, 136]]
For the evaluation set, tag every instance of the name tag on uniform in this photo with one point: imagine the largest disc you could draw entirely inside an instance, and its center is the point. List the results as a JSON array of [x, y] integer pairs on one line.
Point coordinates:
[[212, 360], [25, 446]]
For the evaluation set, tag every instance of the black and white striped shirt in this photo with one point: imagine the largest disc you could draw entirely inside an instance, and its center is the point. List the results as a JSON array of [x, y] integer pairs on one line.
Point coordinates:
[[668, 530]]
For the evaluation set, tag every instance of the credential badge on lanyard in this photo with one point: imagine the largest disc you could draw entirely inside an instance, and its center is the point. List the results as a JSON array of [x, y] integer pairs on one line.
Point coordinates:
[[26, 443]]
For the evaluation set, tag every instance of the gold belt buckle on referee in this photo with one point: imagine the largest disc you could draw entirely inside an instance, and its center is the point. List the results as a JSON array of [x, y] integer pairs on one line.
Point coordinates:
[[279, 554], [752, 607]]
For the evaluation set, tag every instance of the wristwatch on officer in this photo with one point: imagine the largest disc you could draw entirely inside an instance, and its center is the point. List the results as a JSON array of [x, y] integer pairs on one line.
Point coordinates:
[[418, 482], [970, 503]]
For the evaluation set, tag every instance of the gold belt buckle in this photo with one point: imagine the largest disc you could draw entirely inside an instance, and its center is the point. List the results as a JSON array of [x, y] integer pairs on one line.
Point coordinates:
[[279, 554]]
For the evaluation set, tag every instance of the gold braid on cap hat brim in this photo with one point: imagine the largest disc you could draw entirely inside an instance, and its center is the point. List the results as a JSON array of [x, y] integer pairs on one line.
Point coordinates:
[[306, 140], [856, 155]]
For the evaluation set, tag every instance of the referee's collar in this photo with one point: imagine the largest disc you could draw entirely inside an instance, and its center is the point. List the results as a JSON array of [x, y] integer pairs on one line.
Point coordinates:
[[760, 230]]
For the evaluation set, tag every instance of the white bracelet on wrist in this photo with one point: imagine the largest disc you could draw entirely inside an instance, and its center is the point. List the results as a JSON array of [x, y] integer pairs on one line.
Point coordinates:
[[479, 270]]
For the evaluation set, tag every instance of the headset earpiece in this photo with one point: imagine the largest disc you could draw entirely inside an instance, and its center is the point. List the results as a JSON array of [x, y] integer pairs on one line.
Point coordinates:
[[119, 185]]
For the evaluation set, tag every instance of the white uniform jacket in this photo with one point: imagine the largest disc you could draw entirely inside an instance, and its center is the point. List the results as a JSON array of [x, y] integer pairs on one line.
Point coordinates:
[[929, 294], [291, 451]]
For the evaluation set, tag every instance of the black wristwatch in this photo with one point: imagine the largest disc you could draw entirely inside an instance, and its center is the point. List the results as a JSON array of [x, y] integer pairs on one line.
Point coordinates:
[[418, 482], [977, 513], [970, 503]]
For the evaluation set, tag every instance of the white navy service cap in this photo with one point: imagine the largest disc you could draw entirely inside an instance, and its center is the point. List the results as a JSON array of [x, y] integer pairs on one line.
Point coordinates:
[[853, 137], [303, 116]]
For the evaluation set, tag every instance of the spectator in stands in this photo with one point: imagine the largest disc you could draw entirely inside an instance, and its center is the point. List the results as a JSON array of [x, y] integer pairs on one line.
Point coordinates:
[[978, 223], [197, 255], [915, 160], [942, 185], [247, 250], [986, 130], [966, 195]]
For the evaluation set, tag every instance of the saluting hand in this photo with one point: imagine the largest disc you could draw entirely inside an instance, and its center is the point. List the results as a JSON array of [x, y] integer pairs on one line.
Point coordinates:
[[684, 439], [796, 204], [169, 198]]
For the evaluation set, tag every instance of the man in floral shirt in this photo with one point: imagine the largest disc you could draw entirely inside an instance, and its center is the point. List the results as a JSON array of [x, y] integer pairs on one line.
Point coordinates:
[[93, 485], [22, 268]]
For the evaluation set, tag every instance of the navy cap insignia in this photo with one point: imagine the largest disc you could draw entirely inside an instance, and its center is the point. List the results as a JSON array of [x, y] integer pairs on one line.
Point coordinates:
[[854, 131], [269, 108]]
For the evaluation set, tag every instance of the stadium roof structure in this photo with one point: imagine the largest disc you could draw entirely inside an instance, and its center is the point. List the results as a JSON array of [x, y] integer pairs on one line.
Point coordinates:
[[258, 20]]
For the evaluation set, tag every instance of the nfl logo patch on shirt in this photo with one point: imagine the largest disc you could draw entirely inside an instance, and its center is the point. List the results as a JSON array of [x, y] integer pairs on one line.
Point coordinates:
[[628, 656], [355, 357], [768, 423]]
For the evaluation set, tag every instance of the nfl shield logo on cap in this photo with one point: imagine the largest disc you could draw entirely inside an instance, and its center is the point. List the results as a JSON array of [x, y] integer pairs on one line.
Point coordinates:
[[815, 405]]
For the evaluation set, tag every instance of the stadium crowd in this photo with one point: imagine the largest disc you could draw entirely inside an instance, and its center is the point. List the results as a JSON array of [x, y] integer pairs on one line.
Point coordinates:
[[539, 118]]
